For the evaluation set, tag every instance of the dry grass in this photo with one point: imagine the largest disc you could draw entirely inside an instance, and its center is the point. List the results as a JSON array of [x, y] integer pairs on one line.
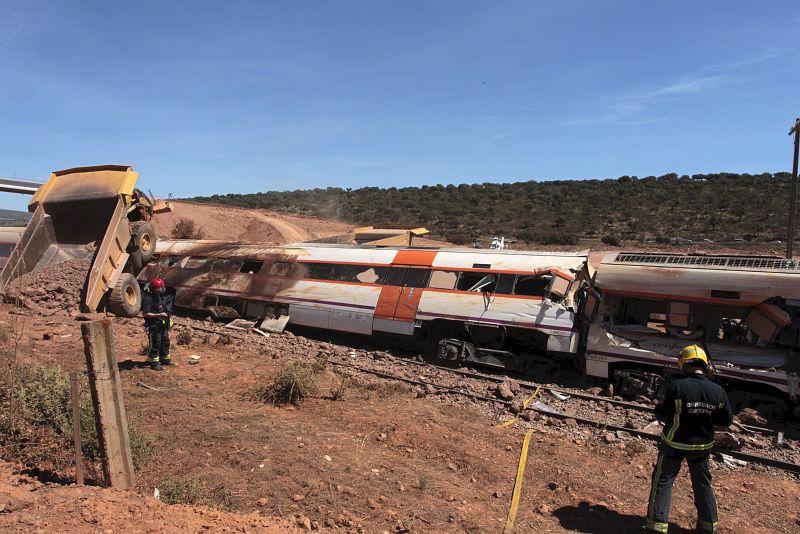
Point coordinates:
[[292, 383], [186, 229]]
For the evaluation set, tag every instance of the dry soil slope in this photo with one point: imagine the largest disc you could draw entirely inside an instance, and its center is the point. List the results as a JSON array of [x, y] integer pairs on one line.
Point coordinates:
[[242, 224]]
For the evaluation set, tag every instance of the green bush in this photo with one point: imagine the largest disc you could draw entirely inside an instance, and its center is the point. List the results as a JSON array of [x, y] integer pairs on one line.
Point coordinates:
[[36, 421]]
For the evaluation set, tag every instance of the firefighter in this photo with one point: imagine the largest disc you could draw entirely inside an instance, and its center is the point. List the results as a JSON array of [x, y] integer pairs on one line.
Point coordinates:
[[157, 302], [691, 407]]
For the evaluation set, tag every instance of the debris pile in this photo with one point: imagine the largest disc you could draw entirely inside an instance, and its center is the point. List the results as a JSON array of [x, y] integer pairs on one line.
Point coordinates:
[[55, 289]]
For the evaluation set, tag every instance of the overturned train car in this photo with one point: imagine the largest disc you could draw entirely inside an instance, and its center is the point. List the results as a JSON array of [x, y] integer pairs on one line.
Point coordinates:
[[745, 312], [625, 321], [489, 307]]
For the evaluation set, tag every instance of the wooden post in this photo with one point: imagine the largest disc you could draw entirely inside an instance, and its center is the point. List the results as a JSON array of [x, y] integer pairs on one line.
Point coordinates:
[[109, 410], [75, 394]]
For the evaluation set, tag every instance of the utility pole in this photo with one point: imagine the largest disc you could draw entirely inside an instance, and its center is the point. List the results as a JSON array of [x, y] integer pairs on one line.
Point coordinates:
[[793, 201]]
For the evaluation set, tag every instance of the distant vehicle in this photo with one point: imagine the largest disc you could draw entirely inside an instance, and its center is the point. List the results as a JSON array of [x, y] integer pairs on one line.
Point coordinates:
[[739, 240], [708, 241], [498, 243], [776, 242]]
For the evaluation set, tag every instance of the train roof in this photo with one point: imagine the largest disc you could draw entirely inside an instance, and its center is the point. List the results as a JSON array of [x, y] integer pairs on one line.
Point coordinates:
[[731, 280], [348, 253]]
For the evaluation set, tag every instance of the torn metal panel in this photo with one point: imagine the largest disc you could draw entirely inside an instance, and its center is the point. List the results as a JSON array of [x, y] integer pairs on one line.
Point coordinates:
[[241, 324], [275, 326]]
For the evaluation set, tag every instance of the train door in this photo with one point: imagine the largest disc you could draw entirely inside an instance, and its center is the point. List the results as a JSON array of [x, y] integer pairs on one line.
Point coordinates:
[[397, 305]]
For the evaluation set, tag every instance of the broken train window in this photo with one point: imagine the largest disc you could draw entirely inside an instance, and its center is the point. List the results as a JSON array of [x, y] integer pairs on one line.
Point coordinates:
[[251, 266], [443, 279], [484, 282], [225, 265], [280, 268], [195, 262], [532, 285]]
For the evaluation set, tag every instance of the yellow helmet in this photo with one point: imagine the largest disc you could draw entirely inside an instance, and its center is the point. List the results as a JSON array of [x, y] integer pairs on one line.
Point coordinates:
[[693, 353]]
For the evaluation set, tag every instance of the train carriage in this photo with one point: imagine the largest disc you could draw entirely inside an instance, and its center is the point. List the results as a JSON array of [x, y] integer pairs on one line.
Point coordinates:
[[745, 312], [482, 305]]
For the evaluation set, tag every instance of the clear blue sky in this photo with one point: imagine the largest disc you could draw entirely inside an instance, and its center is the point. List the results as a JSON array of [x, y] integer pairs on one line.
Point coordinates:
[[218, 97]]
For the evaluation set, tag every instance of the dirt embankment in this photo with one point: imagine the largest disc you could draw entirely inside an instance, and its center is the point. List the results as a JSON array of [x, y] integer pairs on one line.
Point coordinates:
[[247, 225], [28, 505]]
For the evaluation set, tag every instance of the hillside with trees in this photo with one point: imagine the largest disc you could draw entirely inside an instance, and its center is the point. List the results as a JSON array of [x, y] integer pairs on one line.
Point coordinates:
[[723, 207]]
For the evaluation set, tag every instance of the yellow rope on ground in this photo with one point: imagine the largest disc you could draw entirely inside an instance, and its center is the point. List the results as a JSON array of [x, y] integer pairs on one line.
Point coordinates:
[[512, 512], [525, 404]]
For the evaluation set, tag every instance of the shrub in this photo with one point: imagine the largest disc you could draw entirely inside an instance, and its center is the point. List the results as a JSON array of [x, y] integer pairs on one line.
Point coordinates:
[[186, 229], [338, 390], [36, 421], [292, 383], [185, 490], [184, 337], [611, 241]]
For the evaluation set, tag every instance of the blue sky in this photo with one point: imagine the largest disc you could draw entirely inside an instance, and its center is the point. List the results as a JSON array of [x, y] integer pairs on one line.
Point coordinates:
[[218, 97]]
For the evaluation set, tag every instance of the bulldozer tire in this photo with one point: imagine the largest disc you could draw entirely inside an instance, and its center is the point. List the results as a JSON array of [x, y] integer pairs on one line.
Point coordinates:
[[125, 299], [144, 238]]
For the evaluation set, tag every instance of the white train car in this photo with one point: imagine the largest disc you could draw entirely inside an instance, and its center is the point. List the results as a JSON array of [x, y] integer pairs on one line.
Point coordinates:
[[489, 306], [745, 312]]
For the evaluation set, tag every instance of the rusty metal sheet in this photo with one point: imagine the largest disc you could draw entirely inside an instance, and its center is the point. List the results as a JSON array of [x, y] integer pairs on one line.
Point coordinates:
[[86, 184], [110, 258]]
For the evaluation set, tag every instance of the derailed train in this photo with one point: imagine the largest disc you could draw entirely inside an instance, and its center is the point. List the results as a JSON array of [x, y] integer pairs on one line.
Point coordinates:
[[624, 320]]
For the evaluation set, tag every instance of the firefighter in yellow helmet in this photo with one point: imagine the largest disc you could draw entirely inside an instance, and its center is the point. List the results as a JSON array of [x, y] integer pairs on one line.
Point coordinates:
[[692, 406]]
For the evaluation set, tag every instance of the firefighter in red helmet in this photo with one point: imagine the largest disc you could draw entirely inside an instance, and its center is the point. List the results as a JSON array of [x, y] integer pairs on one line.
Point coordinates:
[[157, 302]]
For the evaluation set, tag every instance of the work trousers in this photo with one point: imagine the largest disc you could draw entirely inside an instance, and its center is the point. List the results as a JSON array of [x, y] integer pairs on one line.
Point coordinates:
[[158, 338], [664, 474]]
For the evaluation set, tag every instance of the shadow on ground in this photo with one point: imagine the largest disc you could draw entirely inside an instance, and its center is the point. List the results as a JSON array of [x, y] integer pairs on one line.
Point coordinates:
[[594, 519]]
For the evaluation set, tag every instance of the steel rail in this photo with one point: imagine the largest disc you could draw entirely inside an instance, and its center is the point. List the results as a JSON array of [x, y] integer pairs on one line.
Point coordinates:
[[579, 394]]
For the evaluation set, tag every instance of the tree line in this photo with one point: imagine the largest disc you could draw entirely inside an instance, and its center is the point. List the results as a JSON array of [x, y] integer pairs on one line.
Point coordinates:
[[721, 207]]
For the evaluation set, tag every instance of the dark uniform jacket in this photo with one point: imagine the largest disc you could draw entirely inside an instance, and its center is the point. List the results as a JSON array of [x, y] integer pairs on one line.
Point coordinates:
[[157, 303], [691, 407]]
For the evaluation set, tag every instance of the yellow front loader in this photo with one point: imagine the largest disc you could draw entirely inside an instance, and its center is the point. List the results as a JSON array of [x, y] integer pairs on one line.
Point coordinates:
[[97, 206]]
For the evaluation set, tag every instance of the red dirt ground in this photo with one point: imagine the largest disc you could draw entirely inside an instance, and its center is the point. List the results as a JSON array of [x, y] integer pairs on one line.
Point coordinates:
[[380, 460]]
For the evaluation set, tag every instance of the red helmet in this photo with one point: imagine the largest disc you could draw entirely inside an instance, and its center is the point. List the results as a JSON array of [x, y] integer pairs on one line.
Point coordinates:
[[157, 283]]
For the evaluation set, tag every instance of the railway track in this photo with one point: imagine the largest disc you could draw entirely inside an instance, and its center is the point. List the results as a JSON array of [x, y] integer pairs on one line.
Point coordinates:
[[573, 407], [619, 414]]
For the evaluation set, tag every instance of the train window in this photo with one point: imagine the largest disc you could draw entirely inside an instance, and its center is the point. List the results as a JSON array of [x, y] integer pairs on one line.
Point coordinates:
[[195, 262], [443, 279], [467, 280], [395, 276], [226, 266], [371, 275], [483, 282], [251, 266], [532, 285], [505, 284], [320, 271], [6, 249], [416, 278], [280, 268], [210, 301]]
